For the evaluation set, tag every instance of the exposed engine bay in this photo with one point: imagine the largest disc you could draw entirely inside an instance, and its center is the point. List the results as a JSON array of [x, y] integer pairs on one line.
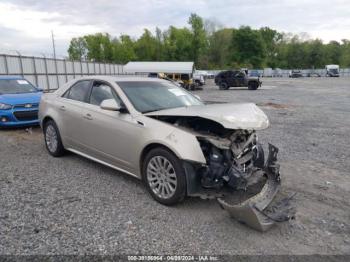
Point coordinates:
[[231, 161], [235, 161]]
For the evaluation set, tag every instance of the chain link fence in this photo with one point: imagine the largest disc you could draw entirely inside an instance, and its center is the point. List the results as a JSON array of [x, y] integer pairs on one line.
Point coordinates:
[[50, 73]]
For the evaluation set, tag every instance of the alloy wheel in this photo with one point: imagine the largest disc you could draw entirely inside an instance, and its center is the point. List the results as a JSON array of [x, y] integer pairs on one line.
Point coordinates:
[[51, 138], [161, 177]]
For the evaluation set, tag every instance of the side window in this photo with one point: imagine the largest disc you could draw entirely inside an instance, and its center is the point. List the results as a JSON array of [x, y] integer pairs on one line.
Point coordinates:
[[79, 91], [100, 92], [240, 75]]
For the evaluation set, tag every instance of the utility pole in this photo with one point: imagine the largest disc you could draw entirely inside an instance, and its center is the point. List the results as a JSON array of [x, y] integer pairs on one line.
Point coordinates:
[[53, 44]]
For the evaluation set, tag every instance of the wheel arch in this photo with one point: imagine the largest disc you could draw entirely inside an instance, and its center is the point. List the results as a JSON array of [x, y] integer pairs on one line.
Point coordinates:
[[45, 120], [148, 148]]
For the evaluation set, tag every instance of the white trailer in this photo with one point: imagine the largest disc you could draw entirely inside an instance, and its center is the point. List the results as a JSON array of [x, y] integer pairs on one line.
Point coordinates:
[[268, 72], [332, 70]]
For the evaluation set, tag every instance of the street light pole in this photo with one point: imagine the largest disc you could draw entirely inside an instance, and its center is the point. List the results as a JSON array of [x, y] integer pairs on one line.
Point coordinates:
[[53, 45]]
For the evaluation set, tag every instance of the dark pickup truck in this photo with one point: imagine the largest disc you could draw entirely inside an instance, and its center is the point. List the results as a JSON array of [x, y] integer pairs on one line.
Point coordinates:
[[227, 79]]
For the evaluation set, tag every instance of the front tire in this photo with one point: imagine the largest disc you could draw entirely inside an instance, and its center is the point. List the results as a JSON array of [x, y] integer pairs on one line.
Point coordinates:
[[53, 140], [253, 85], [164, 176]]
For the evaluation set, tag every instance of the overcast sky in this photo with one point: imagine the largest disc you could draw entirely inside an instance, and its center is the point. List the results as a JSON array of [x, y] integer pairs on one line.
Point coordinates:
[[26, 25]]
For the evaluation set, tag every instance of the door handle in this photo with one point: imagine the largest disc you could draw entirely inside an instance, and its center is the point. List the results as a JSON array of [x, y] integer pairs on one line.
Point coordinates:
[[62, 108], [88, 117]]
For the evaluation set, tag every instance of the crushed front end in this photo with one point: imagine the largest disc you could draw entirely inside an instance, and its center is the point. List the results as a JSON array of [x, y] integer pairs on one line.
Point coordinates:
[[237, 175], [235, 171]]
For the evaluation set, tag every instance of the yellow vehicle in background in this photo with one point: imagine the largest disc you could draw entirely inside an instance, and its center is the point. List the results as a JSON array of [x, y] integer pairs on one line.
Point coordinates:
[[181, 73], [185, 80]]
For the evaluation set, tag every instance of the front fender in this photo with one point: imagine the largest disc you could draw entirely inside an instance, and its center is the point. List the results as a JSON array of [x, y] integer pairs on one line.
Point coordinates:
[[183, 144]]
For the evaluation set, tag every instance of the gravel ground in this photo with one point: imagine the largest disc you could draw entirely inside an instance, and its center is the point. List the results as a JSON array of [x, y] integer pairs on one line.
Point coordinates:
[[71, 205]]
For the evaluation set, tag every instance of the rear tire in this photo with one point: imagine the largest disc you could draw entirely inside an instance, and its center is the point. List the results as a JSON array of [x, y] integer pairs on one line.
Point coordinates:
[[223, 86], [53, 140], [253, 85], [164, 176]]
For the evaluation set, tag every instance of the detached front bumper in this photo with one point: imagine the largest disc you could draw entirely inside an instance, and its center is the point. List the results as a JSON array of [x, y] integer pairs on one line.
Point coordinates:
[[260, 212]]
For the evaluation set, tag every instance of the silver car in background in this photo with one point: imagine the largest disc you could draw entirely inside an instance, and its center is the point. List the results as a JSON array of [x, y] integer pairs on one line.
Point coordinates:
[[158, 132]]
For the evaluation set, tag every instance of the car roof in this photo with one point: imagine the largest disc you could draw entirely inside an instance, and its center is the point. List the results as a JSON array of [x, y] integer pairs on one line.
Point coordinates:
[[7, 77], [121, 78]]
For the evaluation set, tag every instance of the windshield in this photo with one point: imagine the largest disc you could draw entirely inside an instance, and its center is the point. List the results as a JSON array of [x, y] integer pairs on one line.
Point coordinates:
[[333, 70], [153, 96], [16, 86]]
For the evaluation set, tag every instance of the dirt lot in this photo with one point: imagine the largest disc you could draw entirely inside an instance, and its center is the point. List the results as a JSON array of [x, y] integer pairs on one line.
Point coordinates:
[[71, 205]]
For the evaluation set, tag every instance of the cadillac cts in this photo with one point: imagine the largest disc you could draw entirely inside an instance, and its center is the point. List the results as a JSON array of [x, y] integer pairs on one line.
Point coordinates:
[[158, 132]]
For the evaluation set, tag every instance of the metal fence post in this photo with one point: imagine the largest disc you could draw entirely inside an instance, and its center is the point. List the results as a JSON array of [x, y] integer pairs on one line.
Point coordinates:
[[65, 69], [46, 73], [73, 68], [6, 65], [88, 68], [81, 67], [20, 62], [56, 69], [35, 72]]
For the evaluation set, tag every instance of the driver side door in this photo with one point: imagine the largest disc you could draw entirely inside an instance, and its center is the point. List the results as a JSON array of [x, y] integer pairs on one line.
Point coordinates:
[[110, 134]]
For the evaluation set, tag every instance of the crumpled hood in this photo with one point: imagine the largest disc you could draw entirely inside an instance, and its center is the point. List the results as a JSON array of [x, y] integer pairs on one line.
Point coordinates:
[[16, 99], [232, 116]]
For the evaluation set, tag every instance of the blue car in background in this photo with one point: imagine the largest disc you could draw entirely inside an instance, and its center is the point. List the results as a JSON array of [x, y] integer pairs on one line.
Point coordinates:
[[19, 102]]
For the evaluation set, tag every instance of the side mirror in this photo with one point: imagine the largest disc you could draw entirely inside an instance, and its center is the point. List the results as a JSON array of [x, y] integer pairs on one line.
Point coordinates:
[[110, 104], [198, 97]]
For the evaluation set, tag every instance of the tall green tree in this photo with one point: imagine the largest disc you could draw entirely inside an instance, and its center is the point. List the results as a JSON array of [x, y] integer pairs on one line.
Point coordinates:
[[296, 54], [159, 45], [146, 47], [99, 47], [178, 44], [271, 40], [77, 49], [199, 41], [333, 52], [247, 47], [315, 55], [345, 57], [219, 48], [124, 50]]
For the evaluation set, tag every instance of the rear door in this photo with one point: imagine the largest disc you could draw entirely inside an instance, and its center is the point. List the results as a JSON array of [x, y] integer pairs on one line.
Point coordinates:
[[72, 111], [239, 78], [230, 76]]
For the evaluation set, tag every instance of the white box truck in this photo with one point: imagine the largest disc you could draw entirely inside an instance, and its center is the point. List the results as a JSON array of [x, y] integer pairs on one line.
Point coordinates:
[[332, 70], [268, 72]]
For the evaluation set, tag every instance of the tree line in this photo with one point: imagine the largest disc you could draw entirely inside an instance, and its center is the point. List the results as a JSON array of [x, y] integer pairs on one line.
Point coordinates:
[[211, 46]]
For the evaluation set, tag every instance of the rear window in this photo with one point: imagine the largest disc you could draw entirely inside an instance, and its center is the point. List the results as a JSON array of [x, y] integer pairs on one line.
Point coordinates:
[[79, 91]]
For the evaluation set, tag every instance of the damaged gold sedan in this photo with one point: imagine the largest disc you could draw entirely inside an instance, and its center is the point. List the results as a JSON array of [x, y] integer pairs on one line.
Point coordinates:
[[162, 134]]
